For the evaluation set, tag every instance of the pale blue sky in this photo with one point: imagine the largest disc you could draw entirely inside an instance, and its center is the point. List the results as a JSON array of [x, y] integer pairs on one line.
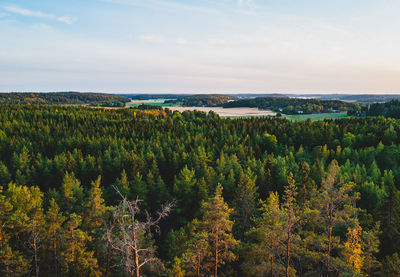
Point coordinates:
[[201, 46]]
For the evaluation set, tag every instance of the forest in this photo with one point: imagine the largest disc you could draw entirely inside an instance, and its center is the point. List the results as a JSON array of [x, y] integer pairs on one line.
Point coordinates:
[[202, 100], [289, 105], [127, 192], [388, 109], [63, 98]]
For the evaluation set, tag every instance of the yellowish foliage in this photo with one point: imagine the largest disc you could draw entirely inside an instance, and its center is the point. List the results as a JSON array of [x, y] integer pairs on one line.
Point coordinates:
[[354, 250]]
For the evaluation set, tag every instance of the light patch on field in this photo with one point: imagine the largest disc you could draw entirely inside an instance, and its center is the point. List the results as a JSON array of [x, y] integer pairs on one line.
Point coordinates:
[[227, 112]]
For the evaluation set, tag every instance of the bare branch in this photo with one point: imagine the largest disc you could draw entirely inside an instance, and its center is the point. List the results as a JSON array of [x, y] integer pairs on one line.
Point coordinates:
[[130, 237]]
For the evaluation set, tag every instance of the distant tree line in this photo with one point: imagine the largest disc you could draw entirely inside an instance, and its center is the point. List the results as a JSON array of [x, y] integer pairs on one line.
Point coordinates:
[[49, 98], [148, 107], [388, 109], [288, 105], [144, 96], [202, 100]]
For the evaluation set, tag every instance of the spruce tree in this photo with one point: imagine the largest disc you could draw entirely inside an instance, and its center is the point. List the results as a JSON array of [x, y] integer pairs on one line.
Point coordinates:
[[245, 204]]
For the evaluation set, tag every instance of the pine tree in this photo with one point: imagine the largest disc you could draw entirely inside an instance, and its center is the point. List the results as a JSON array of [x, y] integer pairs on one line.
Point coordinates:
[[52, 237], [264, 255], [95, 207], [275, 237], [176, 270], [76, 260], [93, 223], [184, 190], [36, 236], [122, 184], [335, 207], [196, 252], [12, 262], [370, 245], [391, 266], [291, 211], [73, 193], [28, 218], [306, 187], [214, 231]]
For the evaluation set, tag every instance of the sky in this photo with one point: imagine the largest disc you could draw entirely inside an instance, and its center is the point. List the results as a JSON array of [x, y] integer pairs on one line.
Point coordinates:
[[200, 46]]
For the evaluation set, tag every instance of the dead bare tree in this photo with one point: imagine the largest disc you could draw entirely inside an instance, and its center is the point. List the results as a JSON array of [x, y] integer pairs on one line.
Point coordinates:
[[131, 237]]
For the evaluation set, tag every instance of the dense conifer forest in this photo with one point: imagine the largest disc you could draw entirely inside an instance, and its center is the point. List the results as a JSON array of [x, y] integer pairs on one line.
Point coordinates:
[[123, 192], [388, 109]]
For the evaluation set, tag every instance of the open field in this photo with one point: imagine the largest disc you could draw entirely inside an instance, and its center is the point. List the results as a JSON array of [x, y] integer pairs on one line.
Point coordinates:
[[234, 112], [226, 112], [155, 102], [320, 116]]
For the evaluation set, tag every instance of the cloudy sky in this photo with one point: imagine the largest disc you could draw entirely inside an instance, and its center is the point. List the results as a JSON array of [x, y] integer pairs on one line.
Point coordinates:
[[201, 46]]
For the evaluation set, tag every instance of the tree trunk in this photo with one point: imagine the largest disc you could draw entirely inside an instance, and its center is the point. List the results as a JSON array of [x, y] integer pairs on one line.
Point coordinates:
[[328, 266], [136, 256], [288, 253], [35, 255], [108, 262], [55, 257], [55, 251], [198, 267], [216, 254], [271, 272]]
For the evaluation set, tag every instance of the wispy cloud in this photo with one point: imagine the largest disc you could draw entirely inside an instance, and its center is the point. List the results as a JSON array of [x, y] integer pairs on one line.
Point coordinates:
[[249, 3], [180, 40], [162, 39], [2, 14], [217, 41], [153, 38], [165, 4], [26, 12], [66, 19]]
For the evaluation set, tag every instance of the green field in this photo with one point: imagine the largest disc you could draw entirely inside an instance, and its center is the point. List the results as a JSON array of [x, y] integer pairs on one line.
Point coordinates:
[[319, 116], [162, 104]]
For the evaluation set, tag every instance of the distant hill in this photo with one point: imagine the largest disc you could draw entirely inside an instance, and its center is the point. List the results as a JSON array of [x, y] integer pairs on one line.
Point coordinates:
[[288, 105], [360, 98], [147, 96], [52, 98]]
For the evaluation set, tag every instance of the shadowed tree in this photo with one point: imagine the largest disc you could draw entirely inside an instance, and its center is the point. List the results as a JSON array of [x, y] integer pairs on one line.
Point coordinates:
[[370, 245], [389, 216], [245, 203]]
